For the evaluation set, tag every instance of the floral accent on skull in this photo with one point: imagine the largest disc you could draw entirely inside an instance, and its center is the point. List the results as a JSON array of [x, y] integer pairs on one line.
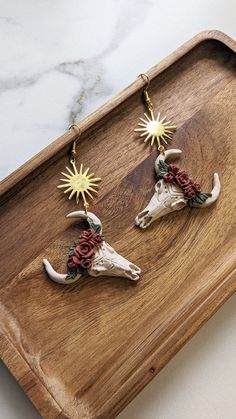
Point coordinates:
[[171, 173], [82, 252]]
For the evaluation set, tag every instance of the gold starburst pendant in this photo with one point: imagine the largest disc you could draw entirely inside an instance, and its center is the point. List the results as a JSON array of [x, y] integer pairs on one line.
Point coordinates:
[[156, 129], [78, 183]]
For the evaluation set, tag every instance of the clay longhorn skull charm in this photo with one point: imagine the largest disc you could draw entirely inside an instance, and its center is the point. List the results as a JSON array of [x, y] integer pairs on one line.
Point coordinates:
[[91, 255], [174, 190]]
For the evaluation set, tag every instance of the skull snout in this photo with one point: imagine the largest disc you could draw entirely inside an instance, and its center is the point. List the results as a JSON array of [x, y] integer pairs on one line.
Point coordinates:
[[151, 213], [143, 219], [134, 272], [110, 263], [129, 270]]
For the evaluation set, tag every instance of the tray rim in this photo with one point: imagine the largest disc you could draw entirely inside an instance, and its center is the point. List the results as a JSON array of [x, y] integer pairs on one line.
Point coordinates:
[[10, 355]]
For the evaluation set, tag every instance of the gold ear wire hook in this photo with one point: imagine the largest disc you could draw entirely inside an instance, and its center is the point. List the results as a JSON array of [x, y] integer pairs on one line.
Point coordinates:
[[146, 80], [146, 98], [77, 129]]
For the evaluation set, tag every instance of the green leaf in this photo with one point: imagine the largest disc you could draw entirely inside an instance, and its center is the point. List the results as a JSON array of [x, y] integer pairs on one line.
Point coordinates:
[[191, 203], [163, 169], [163, 166], [202, 197], [96, 228], [72, 248], [199, 199], [80, 270], [205, 195], [71, 273], [161, 174]]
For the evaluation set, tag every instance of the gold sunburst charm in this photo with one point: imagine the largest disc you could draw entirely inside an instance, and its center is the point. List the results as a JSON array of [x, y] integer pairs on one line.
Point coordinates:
[[78, 183], [156, 129]]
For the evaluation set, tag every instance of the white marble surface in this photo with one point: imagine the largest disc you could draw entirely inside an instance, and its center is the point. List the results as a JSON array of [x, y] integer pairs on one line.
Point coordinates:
[[60, 60]]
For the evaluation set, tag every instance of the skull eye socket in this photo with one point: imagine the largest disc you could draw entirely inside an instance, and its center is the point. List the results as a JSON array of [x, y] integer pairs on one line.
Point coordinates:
[[178, 204], [106, 264], [158, 186]]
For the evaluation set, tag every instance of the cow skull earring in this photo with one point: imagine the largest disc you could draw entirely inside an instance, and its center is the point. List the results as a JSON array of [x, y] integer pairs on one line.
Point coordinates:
[[174, 189], [90, 254]]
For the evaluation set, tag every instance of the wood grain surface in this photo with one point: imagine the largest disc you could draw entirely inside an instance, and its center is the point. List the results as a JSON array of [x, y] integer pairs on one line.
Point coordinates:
[[85, 350]]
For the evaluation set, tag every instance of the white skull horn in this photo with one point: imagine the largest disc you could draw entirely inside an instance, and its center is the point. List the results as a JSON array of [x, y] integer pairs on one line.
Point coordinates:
[[90, 215], [56, 277], [213, 196], [61, 278], [173, 152]]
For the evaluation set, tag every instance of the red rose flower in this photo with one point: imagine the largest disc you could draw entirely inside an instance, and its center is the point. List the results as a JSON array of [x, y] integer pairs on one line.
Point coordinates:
[[173, 168], [83, 254], [189, 193], [182, 179], [84, 249], [196, 187], [73, 262], [86, 263], [86, 234], [96, 238], [70, 264], [169, 177], [91, 237]]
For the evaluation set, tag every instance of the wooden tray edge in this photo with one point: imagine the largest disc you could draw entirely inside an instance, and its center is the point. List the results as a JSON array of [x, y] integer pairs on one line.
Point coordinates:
[[48, 152], [28, 380], [43, 400], [175, 341]]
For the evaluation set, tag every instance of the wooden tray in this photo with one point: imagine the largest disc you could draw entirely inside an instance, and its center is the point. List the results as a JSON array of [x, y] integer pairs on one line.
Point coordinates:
[[86, 350]]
